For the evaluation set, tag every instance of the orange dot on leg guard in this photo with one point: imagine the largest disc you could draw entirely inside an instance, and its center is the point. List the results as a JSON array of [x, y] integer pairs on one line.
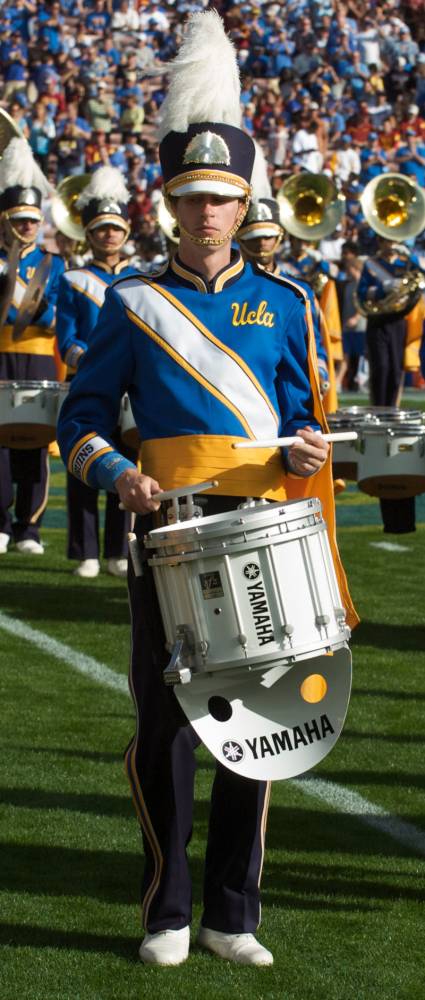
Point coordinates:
[[313, 688]]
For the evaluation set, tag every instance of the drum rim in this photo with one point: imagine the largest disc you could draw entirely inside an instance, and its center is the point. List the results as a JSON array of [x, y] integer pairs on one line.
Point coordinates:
[[173, 534], [30, 384], [400, 430]]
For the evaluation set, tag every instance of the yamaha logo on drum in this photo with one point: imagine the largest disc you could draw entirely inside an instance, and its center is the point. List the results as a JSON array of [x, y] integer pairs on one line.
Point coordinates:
[[251, 571], [233, 751], [259, 607]]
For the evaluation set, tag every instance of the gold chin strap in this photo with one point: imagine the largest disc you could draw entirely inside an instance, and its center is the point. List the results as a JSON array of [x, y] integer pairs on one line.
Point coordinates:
[[10, 234], [90, 233], [208, 241], [261, 255]]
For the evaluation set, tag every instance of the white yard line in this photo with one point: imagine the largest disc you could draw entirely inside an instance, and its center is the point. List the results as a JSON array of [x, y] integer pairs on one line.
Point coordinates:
[[352, 804], [337, 796], [389, 546], [86, 665]]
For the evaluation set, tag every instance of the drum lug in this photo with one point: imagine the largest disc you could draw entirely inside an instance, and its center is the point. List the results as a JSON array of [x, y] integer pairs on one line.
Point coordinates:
[[287, 630], [176, 672], [202, 647], [322, 620]]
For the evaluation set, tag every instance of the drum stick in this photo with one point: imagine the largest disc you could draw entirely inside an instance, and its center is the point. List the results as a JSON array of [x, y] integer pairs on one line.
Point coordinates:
[[285, 442], [180, 491]]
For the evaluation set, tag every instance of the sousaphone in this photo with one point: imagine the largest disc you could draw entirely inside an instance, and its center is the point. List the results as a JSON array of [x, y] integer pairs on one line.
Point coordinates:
[[311, 206], [65, 214], [394, 207]]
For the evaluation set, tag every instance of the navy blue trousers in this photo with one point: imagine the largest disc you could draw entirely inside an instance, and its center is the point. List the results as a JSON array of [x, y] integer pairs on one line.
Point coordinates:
[[161, 767], [386, 339], [83, 523], [27, 468]]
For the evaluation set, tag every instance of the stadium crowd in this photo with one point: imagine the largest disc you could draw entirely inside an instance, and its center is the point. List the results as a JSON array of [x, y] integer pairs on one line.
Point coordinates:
[[328, 87]]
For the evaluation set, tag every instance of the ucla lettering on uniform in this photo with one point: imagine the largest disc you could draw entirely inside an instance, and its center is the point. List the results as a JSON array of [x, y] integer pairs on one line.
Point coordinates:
[[243, 316]]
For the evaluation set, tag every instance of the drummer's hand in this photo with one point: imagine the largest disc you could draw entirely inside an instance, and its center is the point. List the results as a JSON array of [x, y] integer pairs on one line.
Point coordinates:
[[306, 458], [136, 491]]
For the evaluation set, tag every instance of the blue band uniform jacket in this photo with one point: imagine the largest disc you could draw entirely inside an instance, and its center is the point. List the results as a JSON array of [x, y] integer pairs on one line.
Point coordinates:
[[205, 365], [81, 296], [39, 337]]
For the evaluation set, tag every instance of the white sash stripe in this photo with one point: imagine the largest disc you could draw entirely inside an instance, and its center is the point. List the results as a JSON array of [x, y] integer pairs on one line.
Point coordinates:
[[217, 367], [88, 283]]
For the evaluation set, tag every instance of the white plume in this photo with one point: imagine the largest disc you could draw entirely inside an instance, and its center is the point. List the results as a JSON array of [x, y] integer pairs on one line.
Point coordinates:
[[204, 83], [17, 166], [106, 182], [259, 181]]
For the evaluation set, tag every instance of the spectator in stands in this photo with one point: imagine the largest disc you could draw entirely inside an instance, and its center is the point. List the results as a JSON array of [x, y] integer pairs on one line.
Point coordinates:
[[132, 116], [411, 157], [42, 133], [99, 109]]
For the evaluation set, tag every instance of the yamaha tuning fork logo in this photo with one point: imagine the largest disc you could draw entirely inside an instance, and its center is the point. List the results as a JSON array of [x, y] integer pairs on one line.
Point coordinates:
[[233, 751], [251, 571]]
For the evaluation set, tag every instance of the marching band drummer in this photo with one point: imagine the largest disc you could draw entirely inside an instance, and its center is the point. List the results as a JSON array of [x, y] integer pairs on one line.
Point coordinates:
[[391, 349], [103, 208], [31, 356], [212, 351]]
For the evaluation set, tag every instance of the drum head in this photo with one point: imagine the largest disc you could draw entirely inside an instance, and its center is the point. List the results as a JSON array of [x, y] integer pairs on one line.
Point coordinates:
[[271, 724]]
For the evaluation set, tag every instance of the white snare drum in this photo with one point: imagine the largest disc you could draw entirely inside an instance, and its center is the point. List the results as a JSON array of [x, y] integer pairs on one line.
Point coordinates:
[[392, 457], [129, 433], [29, 412], [255, 585], [250, 604], [345, 453]]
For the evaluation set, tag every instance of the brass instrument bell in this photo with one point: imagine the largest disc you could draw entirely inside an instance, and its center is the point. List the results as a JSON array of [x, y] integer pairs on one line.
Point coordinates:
[[311, 206], [394, 206], [66, 216]]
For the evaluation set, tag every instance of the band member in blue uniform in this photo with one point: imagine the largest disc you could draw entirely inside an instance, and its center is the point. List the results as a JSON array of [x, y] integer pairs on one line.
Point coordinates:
[[380, 287], [211, 350], [31, 357], [260, 238], [103, 207]]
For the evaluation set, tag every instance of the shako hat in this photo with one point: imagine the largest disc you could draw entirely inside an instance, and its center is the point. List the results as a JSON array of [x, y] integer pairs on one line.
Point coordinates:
[[202, 146], [22, 183], [104, 199]]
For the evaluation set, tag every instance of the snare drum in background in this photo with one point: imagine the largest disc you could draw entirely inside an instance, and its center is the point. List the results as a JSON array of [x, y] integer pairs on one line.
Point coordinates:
[[392, 457], [129, 433], [29, 412], [253, 617], [344, 453]]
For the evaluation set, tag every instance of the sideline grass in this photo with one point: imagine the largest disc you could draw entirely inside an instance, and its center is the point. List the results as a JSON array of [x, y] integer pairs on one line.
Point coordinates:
[[341, 902]]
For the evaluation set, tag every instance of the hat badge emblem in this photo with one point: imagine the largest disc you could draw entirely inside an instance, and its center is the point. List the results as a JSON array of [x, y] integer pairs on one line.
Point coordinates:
[[207, 147]]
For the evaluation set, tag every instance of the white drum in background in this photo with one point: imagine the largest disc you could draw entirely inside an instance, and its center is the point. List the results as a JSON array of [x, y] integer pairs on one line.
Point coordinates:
[[29, 412], [129, 433], [345, 453], [251, 602], [392, 458]]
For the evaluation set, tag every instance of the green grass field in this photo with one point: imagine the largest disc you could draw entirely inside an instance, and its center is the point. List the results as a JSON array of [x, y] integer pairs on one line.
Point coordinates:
[[343, 884]]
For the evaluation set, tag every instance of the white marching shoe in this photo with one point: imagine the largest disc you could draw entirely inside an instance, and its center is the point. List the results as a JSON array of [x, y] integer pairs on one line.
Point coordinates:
[[88, 569], [165, 947], [30, 547], [4, 542], [117, 567], [241, 948]]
